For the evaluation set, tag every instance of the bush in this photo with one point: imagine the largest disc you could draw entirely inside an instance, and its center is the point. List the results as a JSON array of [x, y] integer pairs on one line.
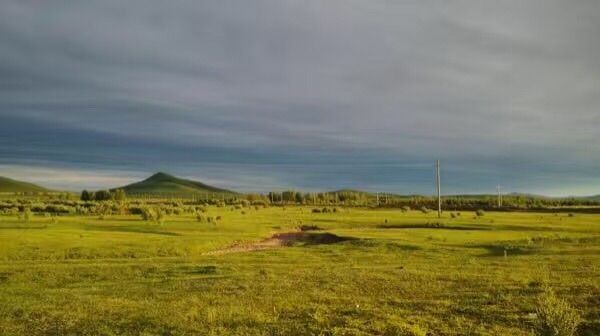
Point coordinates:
[[160, 216], [555, 317], [316, 210], [26, 215], [479, 213], [147, 214], [424, 210], [453, 215], [405, 208], [151, 214]]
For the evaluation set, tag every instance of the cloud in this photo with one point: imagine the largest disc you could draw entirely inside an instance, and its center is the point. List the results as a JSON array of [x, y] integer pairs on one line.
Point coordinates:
[[488, 84]]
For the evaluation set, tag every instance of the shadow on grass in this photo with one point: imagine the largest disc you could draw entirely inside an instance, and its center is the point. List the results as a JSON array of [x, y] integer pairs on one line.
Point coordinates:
[[130, 229], [368, 243], [23, 227], [499, 250], [310, 238], [199, 270], [434, 226], [326, 238]]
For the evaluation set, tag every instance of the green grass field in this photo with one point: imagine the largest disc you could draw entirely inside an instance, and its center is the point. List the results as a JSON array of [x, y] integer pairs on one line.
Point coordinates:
[[394, 273]]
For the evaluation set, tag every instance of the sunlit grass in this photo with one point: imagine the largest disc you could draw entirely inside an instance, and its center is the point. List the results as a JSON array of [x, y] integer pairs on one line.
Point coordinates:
[[402, 273]]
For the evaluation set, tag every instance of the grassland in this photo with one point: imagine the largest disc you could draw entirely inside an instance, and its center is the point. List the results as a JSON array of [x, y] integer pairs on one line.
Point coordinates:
[[393, 273]]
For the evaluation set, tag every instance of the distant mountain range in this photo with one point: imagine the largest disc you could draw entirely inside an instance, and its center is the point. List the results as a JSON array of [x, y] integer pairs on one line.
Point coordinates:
[[10, 185], [163, 183]]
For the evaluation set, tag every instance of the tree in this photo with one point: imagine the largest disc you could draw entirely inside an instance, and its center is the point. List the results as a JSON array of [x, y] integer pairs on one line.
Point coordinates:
[[86, 196], [119, 195], [299, 198], [102, 195]]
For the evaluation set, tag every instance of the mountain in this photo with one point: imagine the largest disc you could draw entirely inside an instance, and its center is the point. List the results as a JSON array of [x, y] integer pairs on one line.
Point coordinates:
[[593, 198], [10, 185], [163, 183]]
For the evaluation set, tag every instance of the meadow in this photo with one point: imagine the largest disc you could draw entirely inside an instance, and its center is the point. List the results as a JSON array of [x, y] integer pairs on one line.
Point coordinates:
[[355, 271]]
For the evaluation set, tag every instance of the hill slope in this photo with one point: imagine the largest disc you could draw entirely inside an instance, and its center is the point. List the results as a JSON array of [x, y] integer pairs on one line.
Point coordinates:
[[162, 183], [10, 185]]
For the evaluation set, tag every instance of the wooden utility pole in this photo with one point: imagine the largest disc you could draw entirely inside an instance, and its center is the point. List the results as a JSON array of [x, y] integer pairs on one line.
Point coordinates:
[[439, 191], [499, 196]]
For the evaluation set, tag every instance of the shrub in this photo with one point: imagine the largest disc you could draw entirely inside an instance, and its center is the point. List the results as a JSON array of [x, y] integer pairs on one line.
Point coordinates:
[[453, 215], [26, 215], [424, 210], [147, 213], [151, 214], [479, 213], [160, 216], [405, 208], [555, 317], [316, 210]]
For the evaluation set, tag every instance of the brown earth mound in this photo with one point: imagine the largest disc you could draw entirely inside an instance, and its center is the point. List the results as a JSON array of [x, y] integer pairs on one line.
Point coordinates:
[[283, 239]]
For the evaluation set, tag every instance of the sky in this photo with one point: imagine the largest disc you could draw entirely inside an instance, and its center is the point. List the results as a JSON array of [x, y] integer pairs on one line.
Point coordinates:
[[309, 95]]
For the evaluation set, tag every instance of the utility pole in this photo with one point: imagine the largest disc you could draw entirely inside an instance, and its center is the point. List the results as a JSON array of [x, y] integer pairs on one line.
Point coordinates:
[[499, 196], [439, 191]]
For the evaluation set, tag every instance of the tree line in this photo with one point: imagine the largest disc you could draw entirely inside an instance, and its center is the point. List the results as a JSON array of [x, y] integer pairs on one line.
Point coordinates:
[[103, 195]]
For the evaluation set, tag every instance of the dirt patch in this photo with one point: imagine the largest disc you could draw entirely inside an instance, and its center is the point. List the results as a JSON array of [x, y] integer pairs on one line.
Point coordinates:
[[282, 239]]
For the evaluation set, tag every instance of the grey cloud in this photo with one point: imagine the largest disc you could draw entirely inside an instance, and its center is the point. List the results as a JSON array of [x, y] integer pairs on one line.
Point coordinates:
[[461, 80]]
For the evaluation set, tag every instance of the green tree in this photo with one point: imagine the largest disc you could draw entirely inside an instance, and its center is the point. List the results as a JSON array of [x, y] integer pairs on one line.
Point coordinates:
[[119, 195], [102, 195], [86, 196]]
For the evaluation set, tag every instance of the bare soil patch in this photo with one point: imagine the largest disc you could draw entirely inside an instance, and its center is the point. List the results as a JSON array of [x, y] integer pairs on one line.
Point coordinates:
[[282, 239]]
